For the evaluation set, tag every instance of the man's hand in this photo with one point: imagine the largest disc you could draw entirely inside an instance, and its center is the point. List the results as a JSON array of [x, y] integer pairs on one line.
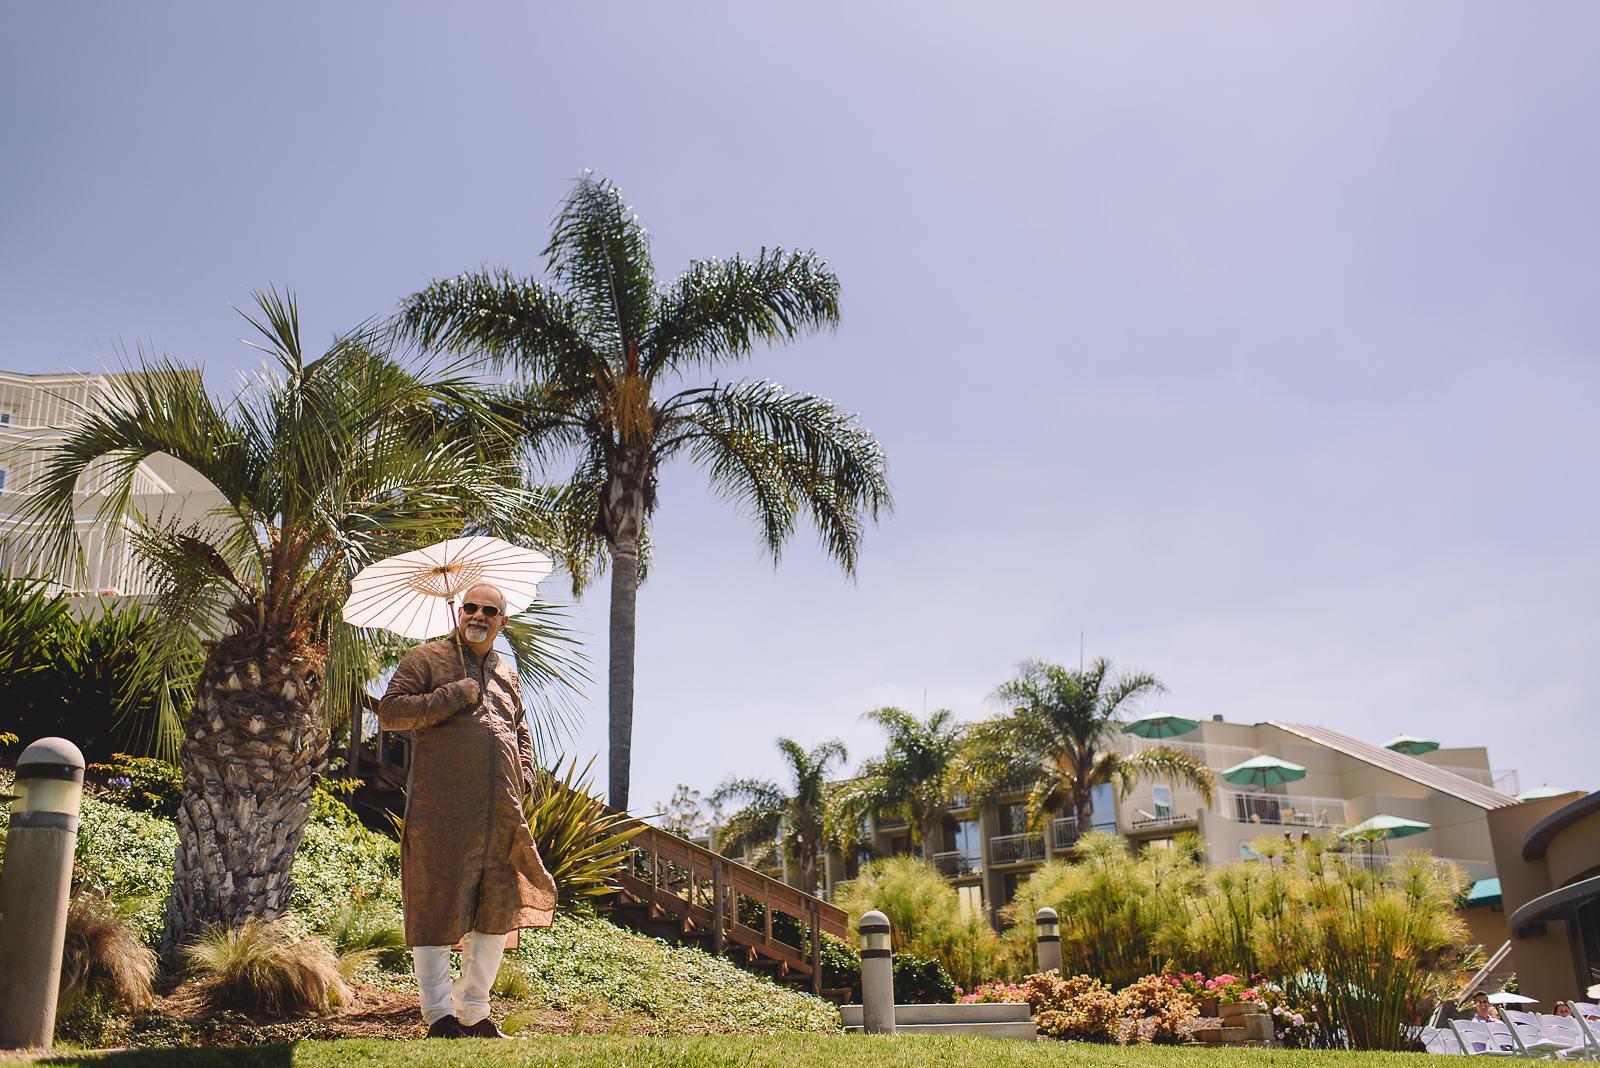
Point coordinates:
[[464, 692]]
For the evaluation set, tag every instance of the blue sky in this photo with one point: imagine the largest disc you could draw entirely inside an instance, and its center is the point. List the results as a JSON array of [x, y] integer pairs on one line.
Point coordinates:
[[1255, 342]]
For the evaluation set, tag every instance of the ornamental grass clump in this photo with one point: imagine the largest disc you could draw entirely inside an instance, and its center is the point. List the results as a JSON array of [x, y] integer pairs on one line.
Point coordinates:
[[1120, 914], [368, 931], [103, 962], [926, 915], [267, 968]]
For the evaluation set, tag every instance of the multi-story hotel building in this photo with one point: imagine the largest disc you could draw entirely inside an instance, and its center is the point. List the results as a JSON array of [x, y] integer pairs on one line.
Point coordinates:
[[36, 411], [987, 851]]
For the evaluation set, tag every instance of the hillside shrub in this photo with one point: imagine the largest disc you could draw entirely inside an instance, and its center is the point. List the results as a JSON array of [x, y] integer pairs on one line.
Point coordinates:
[[1081, 1007], [144, 784], [1155, 1008]]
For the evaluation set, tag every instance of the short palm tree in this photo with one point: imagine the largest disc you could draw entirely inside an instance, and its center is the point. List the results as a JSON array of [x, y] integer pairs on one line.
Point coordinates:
[[324, 466], [1058, 740], [772, 817], [601, 353], [917, 778]]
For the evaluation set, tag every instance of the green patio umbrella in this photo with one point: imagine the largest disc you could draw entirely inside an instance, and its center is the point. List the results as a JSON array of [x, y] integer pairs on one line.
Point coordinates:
[[1411, 745], [1160, 725], [1539, 793], [1385, 827], [1264, 771]]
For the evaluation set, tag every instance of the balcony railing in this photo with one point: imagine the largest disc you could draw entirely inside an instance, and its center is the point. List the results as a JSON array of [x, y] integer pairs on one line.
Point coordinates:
[[957, 864], [1281, 810], [1063, 833], [1016, 848]]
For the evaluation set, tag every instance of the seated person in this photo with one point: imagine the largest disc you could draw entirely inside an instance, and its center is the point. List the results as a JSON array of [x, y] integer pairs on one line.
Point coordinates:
[[1563, 1009], [1481, 1009]]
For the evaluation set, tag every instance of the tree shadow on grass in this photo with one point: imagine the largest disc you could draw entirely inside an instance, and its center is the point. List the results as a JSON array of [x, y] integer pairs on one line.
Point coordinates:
[[279, 1055]]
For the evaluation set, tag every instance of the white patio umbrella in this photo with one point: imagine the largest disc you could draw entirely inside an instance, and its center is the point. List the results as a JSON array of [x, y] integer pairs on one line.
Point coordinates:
[[1502, 997], [414, 594]]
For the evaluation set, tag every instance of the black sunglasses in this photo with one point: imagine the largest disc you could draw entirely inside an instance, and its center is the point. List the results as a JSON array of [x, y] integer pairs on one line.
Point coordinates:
[[489, 611]]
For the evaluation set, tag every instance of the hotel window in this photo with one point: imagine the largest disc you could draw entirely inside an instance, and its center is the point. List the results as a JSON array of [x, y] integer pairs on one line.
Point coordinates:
[[1161, 796], [2, 480], [5, 418], [1103, 808]]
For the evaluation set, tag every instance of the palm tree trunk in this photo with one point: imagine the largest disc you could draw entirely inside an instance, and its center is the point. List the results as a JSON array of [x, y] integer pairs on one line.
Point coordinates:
[[254, 746], [1082, 806], [929, 830], [624, 604]]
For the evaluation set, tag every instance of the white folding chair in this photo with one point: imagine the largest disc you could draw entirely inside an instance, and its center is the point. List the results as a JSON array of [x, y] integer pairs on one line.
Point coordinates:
[[1438, 1040], [1475, 1038], [1587, 1016], [1565, 1029], [1529, 1037]]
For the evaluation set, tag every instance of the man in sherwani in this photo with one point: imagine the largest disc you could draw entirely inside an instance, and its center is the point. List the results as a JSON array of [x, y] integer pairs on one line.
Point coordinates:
[[469, 872]]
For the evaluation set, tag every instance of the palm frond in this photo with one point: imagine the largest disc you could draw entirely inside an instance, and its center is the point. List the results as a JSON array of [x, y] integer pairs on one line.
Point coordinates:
[[782, 453], [600, 251], [719, 309], [510, 321]]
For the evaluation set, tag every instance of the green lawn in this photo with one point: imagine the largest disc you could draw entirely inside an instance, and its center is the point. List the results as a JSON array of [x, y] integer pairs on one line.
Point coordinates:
[[789, 1051]]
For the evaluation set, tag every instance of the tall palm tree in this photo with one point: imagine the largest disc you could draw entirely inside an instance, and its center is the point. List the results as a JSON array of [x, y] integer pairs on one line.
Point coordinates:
[[1059, 736], [601, 353], [918, 776], [324, 465], [794, 817]]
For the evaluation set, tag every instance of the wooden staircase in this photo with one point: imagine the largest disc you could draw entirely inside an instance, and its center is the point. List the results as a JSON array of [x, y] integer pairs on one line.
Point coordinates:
[[674, 888], [670, 888]]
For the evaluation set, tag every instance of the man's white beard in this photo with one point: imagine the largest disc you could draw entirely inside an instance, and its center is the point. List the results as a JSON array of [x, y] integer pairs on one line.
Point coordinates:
[[476, 631]]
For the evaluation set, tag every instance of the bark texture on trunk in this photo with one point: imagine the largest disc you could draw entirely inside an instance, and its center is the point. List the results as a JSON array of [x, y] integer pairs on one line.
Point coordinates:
[[252, 751], [624, 602]]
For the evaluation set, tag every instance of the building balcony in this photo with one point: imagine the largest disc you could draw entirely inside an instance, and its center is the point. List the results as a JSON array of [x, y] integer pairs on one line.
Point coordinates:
[[1064, 833], [1281, 810], [1016, 848], [957, 864]]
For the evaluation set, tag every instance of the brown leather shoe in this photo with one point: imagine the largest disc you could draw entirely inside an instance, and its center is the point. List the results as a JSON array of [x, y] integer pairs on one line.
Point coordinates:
[[484, 1028], [446, 1027]]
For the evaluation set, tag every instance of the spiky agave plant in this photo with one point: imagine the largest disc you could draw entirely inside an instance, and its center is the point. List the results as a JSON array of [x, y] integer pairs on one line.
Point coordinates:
[[323, 465], [583, 844]]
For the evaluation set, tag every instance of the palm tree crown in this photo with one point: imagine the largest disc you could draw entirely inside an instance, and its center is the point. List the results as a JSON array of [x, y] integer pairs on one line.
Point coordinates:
[[918, 776], [1059, 736], [599, 356], [323, 465], [774, 817]]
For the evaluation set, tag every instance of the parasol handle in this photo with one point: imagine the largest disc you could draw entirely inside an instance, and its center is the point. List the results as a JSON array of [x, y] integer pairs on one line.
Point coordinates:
[[455, 634]]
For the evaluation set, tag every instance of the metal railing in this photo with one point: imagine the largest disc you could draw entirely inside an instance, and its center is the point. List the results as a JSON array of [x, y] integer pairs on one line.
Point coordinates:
[[1064, 833], [957, 864], [1016, 848], [1281, 809]]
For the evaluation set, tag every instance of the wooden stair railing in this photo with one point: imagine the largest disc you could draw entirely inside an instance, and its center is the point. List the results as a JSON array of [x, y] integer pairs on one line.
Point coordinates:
[[701, 892]]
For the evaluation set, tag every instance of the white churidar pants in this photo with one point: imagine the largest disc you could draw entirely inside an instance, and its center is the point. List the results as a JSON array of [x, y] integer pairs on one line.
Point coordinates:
[[468, 998]]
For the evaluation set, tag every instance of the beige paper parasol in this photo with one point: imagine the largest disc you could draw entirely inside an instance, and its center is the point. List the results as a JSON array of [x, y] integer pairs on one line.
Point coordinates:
[[414, 594]]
